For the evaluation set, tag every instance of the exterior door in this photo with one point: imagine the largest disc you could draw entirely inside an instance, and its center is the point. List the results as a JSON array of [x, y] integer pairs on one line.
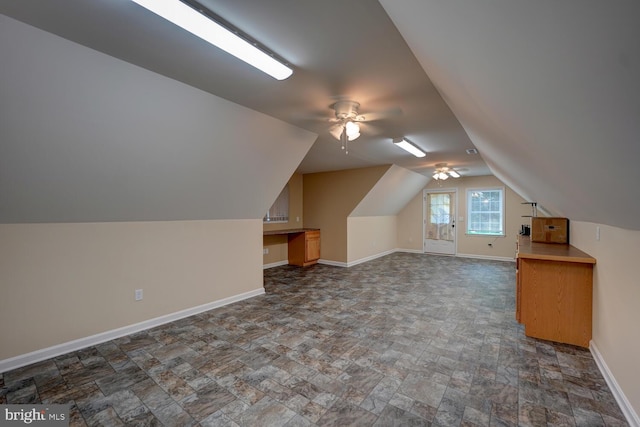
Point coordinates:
[[440, 221]]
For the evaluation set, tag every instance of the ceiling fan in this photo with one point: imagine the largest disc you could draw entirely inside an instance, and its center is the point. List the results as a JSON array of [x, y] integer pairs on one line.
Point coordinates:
[[348, 121], [443, 172]]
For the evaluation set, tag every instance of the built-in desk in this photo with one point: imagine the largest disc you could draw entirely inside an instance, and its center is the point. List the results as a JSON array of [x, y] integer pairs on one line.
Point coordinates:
[[303, 245], [554, 291]]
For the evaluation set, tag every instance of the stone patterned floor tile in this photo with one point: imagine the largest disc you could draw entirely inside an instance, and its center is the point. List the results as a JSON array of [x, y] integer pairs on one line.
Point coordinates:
[[406, 340]]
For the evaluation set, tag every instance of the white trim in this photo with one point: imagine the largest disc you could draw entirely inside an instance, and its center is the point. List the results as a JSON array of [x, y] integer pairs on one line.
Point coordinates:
[[495, 258], [332, 263], [503, 210], [57, 350], [275, 264], [371, 257], [618, 394], [412, 251], [456, 214], [409, 251]]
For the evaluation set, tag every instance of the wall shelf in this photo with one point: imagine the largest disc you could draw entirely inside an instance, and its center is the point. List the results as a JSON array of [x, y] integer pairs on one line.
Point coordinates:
[[534, 209]]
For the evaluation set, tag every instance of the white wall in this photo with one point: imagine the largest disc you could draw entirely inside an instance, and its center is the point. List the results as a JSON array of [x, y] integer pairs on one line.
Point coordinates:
[[616, 295], [63, 282]]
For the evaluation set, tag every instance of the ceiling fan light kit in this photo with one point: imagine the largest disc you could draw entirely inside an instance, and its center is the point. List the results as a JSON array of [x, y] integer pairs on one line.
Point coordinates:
[[408, 146], [200, 24], [443, 172], [352, 130]]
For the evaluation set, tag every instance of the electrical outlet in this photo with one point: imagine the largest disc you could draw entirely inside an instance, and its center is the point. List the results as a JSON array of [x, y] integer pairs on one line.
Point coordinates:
[[138, 294], [265, 251]]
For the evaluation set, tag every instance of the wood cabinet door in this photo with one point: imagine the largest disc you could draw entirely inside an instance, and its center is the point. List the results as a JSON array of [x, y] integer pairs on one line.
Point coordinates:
[[312, 252]]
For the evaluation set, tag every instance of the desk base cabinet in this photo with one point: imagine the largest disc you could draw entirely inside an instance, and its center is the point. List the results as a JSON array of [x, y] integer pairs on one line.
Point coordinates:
[[554, 291], [304, 248], [555, 300]]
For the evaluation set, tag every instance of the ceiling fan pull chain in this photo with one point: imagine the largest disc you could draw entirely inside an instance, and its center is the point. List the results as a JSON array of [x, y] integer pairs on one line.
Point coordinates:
[[344, 140]]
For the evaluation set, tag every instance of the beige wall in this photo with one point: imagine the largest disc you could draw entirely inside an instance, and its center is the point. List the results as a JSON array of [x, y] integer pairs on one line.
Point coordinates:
[[329, 197], [616, 294], [277, 245], [410, 220], [370, 236], [62, 282], [409, 224]]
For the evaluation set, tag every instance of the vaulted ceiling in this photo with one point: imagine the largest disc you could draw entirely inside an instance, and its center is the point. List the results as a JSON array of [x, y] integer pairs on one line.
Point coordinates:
[[546, 91]]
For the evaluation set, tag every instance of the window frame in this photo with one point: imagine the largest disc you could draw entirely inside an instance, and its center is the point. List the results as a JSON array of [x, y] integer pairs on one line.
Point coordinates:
[[278, 210], [469, 230]]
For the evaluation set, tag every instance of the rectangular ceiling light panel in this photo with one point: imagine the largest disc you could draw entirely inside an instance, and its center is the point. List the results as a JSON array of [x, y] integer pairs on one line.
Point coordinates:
[[407, 146], [198, 24]]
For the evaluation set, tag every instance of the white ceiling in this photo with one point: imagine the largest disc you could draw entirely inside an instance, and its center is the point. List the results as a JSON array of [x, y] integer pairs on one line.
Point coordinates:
[[339, 50], [547, 91]]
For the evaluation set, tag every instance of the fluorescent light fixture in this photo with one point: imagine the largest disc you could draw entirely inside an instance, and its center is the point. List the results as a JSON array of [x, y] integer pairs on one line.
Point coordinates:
[[202, 26], [408, 146]]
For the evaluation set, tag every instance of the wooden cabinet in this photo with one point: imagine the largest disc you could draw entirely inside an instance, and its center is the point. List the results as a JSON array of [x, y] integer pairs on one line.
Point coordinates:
[[304, 248], [554, 291]]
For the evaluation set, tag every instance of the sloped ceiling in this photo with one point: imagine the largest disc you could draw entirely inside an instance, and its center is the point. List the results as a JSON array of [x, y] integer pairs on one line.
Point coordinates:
[[87, 137], [548, 91], [391, 193]]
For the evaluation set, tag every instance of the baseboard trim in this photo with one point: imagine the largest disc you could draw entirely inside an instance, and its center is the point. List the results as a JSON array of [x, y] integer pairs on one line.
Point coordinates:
[[492, 258], [57, 350], [370, 257], [618, 394], [332, 263], [275, 264], [410, 251]]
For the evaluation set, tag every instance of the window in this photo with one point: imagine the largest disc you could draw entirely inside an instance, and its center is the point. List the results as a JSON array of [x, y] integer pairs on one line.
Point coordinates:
[[485, 211], [279, 211]]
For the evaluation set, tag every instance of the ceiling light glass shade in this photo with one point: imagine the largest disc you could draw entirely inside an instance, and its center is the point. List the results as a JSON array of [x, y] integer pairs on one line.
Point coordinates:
[[443, 172], [198, 24], [353, 130], [407, 146]]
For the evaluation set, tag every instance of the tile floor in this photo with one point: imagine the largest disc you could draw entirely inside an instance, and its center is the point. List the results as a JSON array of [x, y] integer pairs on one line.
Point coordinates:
[[404, 340]]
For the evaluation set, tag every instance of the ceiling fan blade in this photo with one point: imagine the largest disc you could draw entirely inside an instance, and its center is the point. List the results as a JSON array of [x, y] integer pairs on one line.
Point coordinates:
[[379, 115], [370, 129]]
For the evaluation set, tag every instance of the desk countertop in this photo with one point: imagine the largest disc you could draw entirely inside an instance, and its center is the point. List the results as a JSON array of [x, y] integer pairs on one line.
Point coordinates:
[[288, 231], [551, 251]]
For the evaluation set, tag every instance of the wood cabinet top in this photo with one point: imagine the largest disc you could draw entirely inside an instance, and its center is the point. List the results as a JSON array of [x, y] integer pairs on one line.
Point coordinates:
[[551, 251], [288, 231]]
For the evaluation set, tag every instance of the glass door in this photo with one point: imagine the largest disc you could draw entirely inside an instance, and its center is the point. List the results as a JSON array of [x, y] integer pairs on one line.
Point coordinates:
[[440, 221]]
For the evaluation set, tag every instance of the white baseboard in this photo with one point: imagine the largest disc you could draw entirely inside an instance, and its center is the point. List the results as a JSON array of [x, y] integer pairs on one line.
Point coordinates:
[[57, 350], [493, 258], [618, 394], [332, 263], [370, 257], [410, 251], [413, 251], [275, 264]]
